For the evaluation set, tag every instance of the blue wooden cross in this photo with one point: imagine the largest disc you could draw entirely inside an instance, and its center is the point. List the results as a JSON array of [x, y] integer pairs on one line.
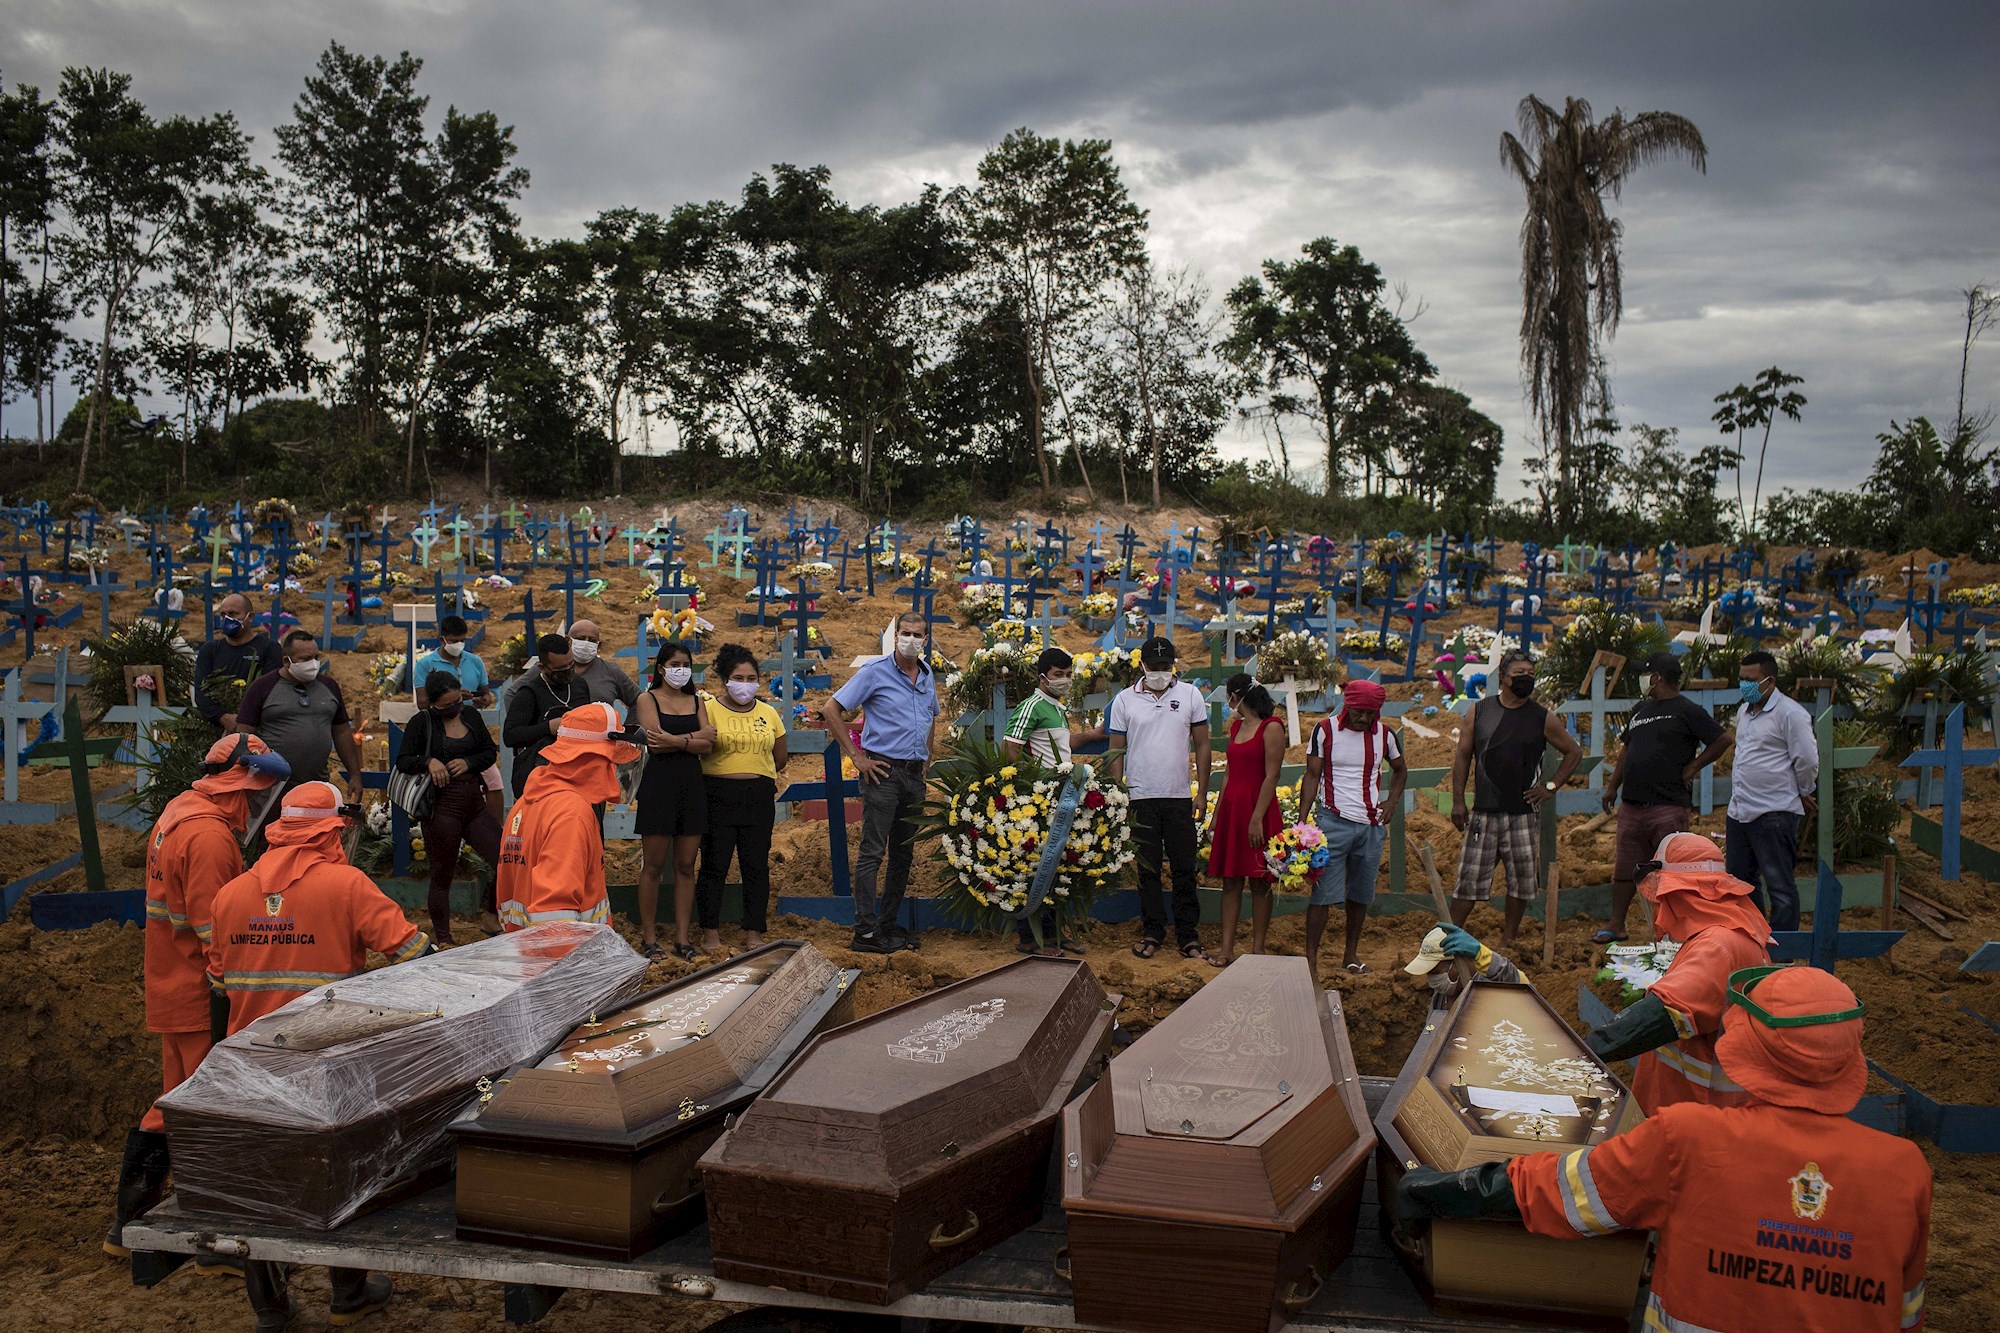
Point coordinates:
[[801, 615], [526, 615], [569, 586], [1090, 568], [1128, 542], [387, 556], [826, 534], [105, 587], [1826, 943], [768, 561], [1271, 569], [1952, 759]]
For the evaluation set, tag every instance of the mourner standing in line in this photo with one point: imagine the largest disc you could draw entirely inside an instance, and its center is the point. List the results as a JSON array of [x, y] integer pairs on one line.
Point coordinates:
[[1247, 817], [1039, 727], [451, 743], [1674, 1027], [1500, 748], [299, 711], [240, 651], [1781, 1213], [605, 680], [552, 851], [671, 811], [195, 849], [1668, 740], [741, 771], [899, 701], [1154, 728], [452, 655], [536, 704], [300, 918], [1772, 778], [1344, 760]]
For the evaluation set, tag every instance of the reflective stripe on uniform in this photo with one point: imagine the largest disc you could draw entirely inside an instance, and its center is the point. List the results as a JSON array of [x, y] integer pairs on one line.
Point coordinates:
[[1581, 1203], [1913, 1307], [514, 914], [1683, 1025], [1698, 1072], [159, 911], [280, 980], [410, 950], [1659, 1321]]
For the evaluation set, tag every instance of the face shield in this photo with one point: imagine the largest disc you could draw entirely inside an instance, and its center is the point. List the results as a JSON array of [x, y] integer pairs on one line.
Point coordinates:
[[628, 773], [262, 806]]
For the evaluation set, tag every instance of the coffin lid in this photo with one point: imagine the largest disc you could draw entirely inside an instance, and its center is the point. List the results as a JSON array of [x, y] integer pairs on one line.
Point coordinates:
[[663, 1055], [1231, 1108], [904, 1092]]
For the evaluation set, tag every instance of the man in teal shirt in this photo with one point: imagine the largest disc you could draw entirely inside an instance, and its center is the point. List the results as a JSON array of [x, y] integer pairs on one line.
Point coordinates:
[[452, 655]]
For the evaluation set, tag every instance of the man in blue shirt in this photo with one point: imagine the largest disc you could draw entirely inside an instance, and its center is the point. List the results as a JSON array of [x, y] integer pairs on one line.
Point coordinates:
[[899, 706], [451, 655], [1773, 779]]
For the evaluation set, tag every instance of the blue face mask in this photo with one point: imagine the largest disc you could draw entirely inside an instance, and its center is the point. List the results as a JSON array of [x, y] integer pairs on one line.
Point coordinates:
[[229, 624], [1751, 690]]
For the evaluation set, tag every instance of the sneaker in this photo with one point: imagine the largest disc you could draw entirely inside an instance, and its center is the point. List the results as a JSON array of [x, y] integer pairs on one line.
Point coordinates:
[[871, 943]]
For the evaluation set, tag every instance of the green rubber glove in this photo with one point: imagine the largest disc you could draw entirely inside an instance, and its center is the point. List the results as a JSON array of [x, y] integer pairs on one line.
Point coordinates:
[[1474, 1192], [1639, 1029]]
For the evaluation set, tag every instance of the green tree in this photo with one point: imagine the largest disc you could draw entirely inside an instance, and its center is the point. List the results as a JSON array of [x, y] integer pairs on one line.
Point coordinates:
[[1747, 408], [1449, 450], [28, 324], [1317, 340], [1572, 290], [1053, 226], [1161, 362]]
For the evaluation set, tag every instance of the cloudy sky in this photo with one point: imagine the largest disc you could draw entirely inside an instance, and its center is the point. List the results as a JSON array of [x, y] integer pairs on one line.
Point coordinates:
[[1853, 185]]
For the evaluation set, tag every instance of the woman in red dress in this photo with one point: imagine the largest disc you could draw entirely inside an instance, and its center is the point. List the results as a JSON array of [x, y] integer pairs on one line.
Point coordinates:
[[1247, 817]]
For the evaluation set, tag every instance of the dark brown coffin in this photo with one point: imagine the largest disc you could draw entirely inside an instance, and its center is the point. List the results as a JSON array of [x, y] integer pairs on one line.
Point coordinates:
[[899, 1146], [1213, 1176], [1504, 1038], [593, 1148], [342, 1100]]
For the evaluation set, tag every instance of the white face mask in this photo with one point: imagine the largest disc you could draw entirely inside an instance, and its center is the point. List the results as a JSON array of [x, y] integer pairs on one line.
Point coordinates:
[[742, 691], [678, 677], [1156, 681], [582, 651], [1056, 687], [453, 649], [910, 646], [306, 670]]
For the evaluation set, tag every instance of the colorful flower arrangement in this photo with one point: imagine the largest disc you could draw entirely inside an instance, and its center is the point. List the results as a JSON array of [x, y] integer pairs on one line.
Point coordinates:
[[993, 814], [1237, 587], [87, 559], [1101, 672], [1250, 633], [1093, 606], [811, 571], [384, 671], [512, 659], [1296, 856], [1373, 643], [1299, 655], [684, 625], [302, 565], [1014, 631], [1397, 550], [402, 578], [970, 690], [906, 565], [980, 604], [269, 513], [1287, 797], [1985, 594]]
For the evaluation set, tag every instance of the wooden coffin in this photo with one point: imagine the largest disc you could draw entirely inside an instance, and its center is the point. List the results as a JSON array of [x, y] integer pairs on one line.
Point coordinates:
[[1213, 1176], [593, 1149], [1498, 1075], [343, 1098], [899, 1146]]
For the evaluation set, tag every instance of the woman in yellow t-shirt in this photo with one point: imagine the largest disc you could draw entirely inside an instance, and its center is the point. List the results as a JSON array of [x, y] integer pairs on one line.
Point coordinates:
[[741, 774]]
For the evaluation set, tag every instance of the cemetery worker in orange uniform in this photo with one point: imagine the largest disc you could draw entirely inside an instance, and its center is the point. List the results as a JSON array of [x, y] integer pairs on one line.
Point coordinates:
[[298, 919], [1674, 1027], [195, 849], [552, 852], [1781, 1213]]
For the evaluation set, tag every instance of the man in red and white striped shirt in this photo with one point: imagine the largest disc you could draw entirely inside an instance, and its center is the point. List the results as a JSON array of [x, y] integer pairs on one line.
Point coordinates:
[[1344, 762]]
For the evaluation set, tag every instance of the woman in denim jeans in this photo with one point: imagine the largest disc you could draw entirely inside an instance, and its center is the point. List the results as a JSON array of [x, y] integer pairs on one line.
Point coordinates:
[[1344, 777]]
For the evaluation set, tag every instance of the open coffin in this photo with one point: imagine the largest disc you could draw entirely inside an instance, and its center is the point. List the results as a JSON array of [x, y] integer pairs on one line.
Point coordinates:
[[899, 1146], [1213, 1176], [1496, 1076], [593, 1148], [342, 1098]]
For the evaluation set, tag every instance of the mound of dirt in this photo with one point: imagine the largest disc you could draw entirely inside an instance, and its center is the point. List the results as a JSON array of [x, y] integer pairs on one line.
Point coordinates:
[[79, 1061]]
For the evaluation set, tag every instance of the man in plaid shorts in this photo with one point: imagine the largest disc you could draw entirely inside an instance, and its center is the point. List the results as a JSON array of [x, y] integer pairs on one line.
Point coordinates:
[[1501, 747]]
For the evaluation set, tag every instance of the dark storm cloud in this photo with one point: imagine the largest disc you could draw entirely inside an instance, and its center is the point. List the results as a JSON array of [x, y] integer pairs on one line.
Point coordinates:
[[1853, 179]]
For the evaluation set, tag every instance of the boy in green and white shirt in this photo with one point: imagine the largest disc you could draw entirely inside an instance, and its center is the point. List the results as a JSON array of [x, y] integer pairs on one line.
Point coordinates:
[[1041, 727]]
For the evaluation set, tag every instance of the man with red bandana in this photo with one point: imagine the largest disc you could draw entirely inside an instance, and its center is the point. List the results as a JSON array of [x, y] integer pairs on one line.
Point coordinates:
[[300, 918], [1673, 1029], [552, 852], [1344, 760], [195, 849], [1780, 1213]]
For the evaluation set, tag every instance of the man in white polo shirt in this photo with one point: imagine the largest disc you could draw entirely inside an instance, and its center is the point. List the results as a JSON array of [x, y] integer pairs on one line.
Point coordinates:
[[1153, 728], [1344, 776]]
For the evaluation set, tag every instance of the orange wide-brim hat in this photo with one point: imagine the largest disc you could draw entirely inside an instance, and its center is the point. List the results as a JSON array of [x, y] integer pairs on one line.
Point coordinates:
[[1792, 1036], [251, 765], [590, 729]]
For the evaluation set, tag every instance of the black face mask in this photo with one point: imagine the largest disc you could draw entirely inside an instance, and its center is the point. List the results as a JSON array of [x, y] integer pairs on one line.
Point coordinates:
[[445, 711], [1520, 686], [557, 678]]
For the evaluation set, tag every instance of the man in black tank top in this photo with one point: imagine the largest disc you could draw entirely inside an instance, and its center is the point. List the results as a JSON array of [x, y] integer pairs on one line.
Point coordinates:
[[1500, 746]]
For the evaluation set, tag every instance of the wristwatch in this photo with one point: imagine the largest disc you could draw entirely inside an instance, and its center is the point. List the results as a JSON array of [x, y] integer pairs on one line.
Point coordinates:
[[1549, 786]]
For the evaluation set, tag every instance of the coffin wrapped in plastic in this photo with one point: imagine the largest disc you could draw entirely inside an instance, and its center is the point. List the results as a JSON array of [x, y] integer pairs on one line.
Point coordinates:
[[341, 1099], [593, 1148], [1498, 1076]]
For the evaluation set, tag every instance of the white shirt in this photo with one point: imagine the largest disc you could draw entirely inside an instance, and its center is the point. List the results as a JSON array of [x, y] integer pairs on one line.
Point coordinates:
[[1777, 757], [1350, 777], [1156, 729]]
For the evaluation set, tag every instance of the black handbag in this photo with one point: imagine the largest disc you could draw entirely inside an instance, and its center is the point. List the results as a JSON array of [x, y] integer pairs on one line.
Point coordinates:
[[415, 793]]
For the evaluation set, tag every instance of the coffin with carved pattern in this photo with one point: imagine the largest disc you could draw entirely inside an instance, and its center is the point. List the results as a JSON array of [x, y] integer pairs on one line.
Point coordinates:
[[1213, 1176], [899, 1146], [593, 1148]]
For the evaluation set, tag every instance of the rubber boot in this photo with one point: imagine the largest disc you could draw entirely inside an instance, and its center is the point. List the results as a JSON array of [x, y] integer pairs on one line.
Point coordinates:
[[267, 1286], [358, 1293], [142, 1183]]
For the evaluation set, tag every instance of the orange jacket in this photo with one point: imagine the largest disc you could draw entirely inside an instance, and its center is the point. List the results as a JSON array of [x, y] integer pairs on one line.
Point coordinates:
[[278, 935], [1769, 1217], [193, 852], [1695, 990], [552, 857]]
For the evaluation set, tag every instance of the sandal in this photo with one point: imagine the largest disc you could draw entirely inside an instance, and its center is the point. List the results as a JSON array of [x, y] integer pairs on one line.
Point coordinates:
[[1145, 948], [1607, 936], [1195, 952], [1359, 969], [1068, 945], [654, 953], [687, 953]]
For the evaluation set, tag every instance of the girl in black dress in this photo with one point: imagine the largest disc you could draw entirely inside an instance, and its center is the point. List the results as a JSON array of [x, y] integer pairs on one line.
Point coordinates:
[[672, 800], [452, 743]]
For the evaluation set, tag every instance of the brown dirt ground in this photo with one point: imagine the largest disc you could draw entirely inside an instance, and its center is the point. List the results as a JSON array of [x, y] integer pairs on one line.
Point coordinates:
[[82, 1067]]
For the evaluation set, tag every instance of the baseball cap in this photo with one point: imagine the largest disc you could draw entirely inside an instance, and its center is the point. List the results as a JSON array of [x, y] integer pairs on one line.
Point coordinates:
[[1157, 651], [1429, 954]]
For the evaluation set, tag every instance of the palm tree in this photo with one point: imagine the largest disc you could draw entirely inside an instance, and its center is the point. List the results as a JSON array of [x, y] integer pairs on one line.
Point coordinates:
[[1571, 296]]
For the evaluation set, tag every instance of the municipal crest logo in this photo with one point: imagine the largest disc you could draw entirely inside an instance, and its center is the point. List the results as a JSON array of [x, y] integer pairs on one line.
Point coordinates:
[[273, 903], [1809, 1191]]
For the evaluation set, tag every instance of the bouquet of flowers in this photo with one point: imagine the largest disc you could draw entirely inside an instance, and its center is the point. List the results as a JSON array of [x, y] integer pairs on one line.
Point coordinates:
[[302, 565], [906, 565], [512, 658], [1017, 632], [993, 815], [270, 513], [1213, 633], [85, 559], [1237, 587], [1397, 550], [1372, 643], [1289, 810], [1099, 673], [1986, 594], [1001, 663], [684, 625], [811, 571], [980, 604], [1297, 654], [1095, 606], [384, 671], [1296, 856]]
